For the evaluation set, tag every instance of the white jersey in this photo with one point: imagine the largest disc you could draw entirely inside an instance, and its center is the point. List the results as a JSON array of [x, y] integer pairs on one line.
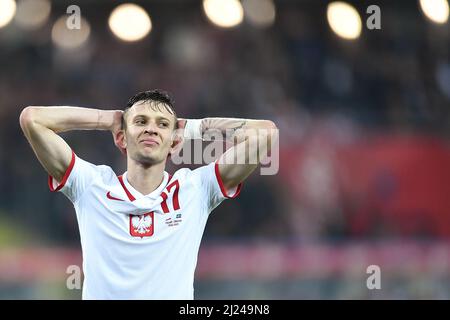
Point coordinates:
[[139, 246]]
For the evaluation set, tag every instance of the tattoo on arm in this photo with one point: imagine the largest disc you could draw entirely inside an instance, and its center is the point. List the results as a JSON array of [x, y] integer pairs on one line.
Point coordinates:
[[239, 126], [227, 128]]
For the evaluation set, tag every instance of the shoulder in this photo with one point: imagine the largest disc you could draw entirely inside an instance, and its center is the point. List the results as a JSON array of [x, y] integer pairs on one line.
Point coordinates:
[[85, 167], [197, 176], [80, 177]]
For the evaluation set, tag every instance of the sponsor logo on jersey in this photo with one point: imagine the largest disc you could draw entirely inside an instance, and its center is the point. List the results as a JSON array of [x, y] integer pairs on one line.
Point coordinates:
[[109, 196]]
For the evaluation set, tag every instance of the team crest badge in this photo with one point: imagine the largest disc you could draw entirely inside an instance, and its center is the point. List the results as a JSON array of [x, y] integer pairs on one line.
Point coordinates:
[[141, 226]]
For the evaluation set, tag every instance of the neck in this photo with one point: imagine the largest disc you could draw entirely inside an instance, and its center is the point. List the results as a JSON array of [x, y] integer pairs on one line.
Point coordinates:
[[145, 178]]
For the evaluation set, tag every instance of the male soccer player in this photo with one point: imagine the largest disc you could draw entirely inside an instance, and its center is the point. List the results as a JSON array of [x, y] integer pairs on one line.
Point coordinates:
[[140, 231]]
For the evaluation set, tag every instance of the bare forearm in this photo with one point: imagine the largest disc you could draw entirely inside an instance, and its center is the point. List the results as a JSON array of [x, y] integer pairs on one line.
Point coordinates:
[[234, 128], [60, 119], [251, 140]]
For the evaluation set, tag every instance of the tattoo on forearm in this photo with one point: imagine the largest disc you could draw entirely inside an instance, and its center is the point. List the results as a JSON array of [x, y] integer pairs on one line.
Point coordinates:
[[227, 128], [239, 126]]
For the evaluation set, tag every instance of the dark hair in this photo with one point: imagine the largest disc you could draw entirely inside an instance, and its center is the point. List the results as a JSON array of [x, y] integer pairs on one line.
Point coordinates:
[[156, 97]]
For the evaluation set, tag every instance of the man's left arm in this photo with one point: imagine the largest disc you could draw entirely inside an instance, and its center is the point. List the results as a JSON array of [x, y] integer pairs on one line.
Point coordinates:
[[251, 141]]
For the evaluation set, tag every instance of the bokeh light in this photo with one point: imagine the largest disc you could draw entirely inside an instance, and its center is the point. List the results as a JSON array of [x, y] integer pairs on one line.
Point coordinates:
[[344, 20], [66, 38], [7, 11], [32, 14], [260, 13], [130, 22], [435, 10], [224, 13]]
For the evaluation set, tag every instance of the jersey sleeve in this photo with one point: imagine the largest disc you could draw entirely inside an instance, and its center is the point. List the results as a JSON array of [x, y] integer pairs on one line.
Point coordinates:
[[212, 187], [78, 177]]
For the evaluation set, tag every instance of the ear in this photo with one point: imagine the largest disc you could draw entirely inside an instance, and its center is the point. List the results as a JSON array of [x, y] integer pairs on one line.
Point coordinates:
[[120, 141], [177, 142]]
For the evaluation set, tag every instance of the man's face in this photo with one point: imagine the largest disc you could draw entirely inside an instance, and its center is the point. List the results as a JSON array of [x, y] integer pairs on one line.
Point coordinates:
[[149, 132]]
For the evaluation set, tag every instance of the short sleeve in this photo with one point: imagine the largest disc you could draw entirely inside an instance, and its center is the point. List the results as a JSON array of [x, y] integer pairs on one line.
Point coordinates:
[[78, 177], [213, 189]]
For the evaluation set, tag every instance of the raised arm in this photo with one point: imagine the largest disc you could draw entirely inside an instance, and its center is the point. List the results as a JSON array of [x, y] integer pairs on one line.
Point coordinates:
[[41, 126], [252, 139]]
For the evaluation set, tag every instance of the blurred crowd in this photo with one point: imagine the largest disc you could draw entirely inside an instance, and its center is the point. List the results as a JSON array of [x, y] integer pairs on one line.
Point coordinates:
[[364, 124]]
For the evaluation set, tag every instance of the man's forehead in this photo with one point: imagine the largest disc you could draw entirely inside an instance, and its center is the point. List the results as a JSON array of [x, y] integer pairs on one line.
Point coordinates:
[[150, 109]]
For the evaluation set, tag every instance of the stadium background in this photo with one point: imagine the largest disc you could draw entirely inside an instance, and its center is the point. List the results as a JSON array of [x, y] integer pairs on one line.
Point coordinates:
[[364, 144]]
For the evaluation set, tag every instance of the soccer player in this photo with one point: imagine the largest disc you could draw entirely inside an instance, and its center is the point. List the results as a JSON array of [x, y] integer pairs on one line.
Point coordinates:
[[141, 231]]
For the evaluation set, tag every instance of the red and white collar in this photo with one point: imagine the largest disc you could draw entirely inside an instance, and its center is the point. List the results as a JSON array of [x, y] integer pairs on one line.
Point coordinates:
[[133, 194]]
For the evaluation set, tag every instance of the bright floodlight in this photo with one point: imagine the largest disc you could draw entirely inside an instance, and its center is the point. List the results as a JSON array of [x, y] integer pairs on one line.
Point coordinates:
[[32, 13], [66, 38], [260, 13], [344, 20], [7, 11], [130, 22], [224, 13], [435, 10]]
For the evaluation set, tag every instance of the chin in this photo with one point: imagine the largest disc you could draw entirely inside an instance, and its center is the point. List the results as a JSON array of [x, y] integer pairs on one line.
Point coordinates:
[[147, 159]]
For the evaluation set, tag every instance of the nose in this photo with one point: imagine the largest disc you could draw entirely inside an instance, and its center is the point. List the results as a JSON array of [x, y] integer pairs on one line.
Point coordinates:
[[151, 128]]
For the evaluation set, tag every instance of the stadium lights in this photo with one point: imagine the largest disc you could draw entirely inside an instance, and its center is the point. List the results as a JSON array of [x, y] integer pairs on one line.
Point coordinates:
[[66, 38], [260, 13], [344, 20], [7, 11], [32, 14], [129, 22], [224, 13], [435, 10]]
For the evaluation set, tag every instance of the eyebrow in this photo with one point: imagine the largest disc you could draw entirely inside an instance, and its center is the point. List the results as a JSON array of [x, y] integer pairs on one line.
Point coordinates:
[[147, 117]]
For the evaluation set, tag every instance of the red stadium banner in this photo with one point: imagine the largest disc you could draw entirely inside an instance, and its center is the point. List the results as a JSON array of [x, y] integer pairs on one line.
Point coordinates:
[[385, 185]]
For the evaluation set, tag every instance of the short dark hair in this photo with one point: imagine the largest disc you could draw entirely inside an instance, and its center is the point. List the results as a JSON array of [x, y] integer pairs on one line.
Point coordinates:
[[158, 97]]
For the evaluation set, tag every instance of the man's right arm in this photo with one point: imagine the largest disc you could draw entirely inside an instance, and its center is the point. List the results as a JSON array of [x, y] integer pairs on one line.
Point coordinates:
[[41, 126]]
